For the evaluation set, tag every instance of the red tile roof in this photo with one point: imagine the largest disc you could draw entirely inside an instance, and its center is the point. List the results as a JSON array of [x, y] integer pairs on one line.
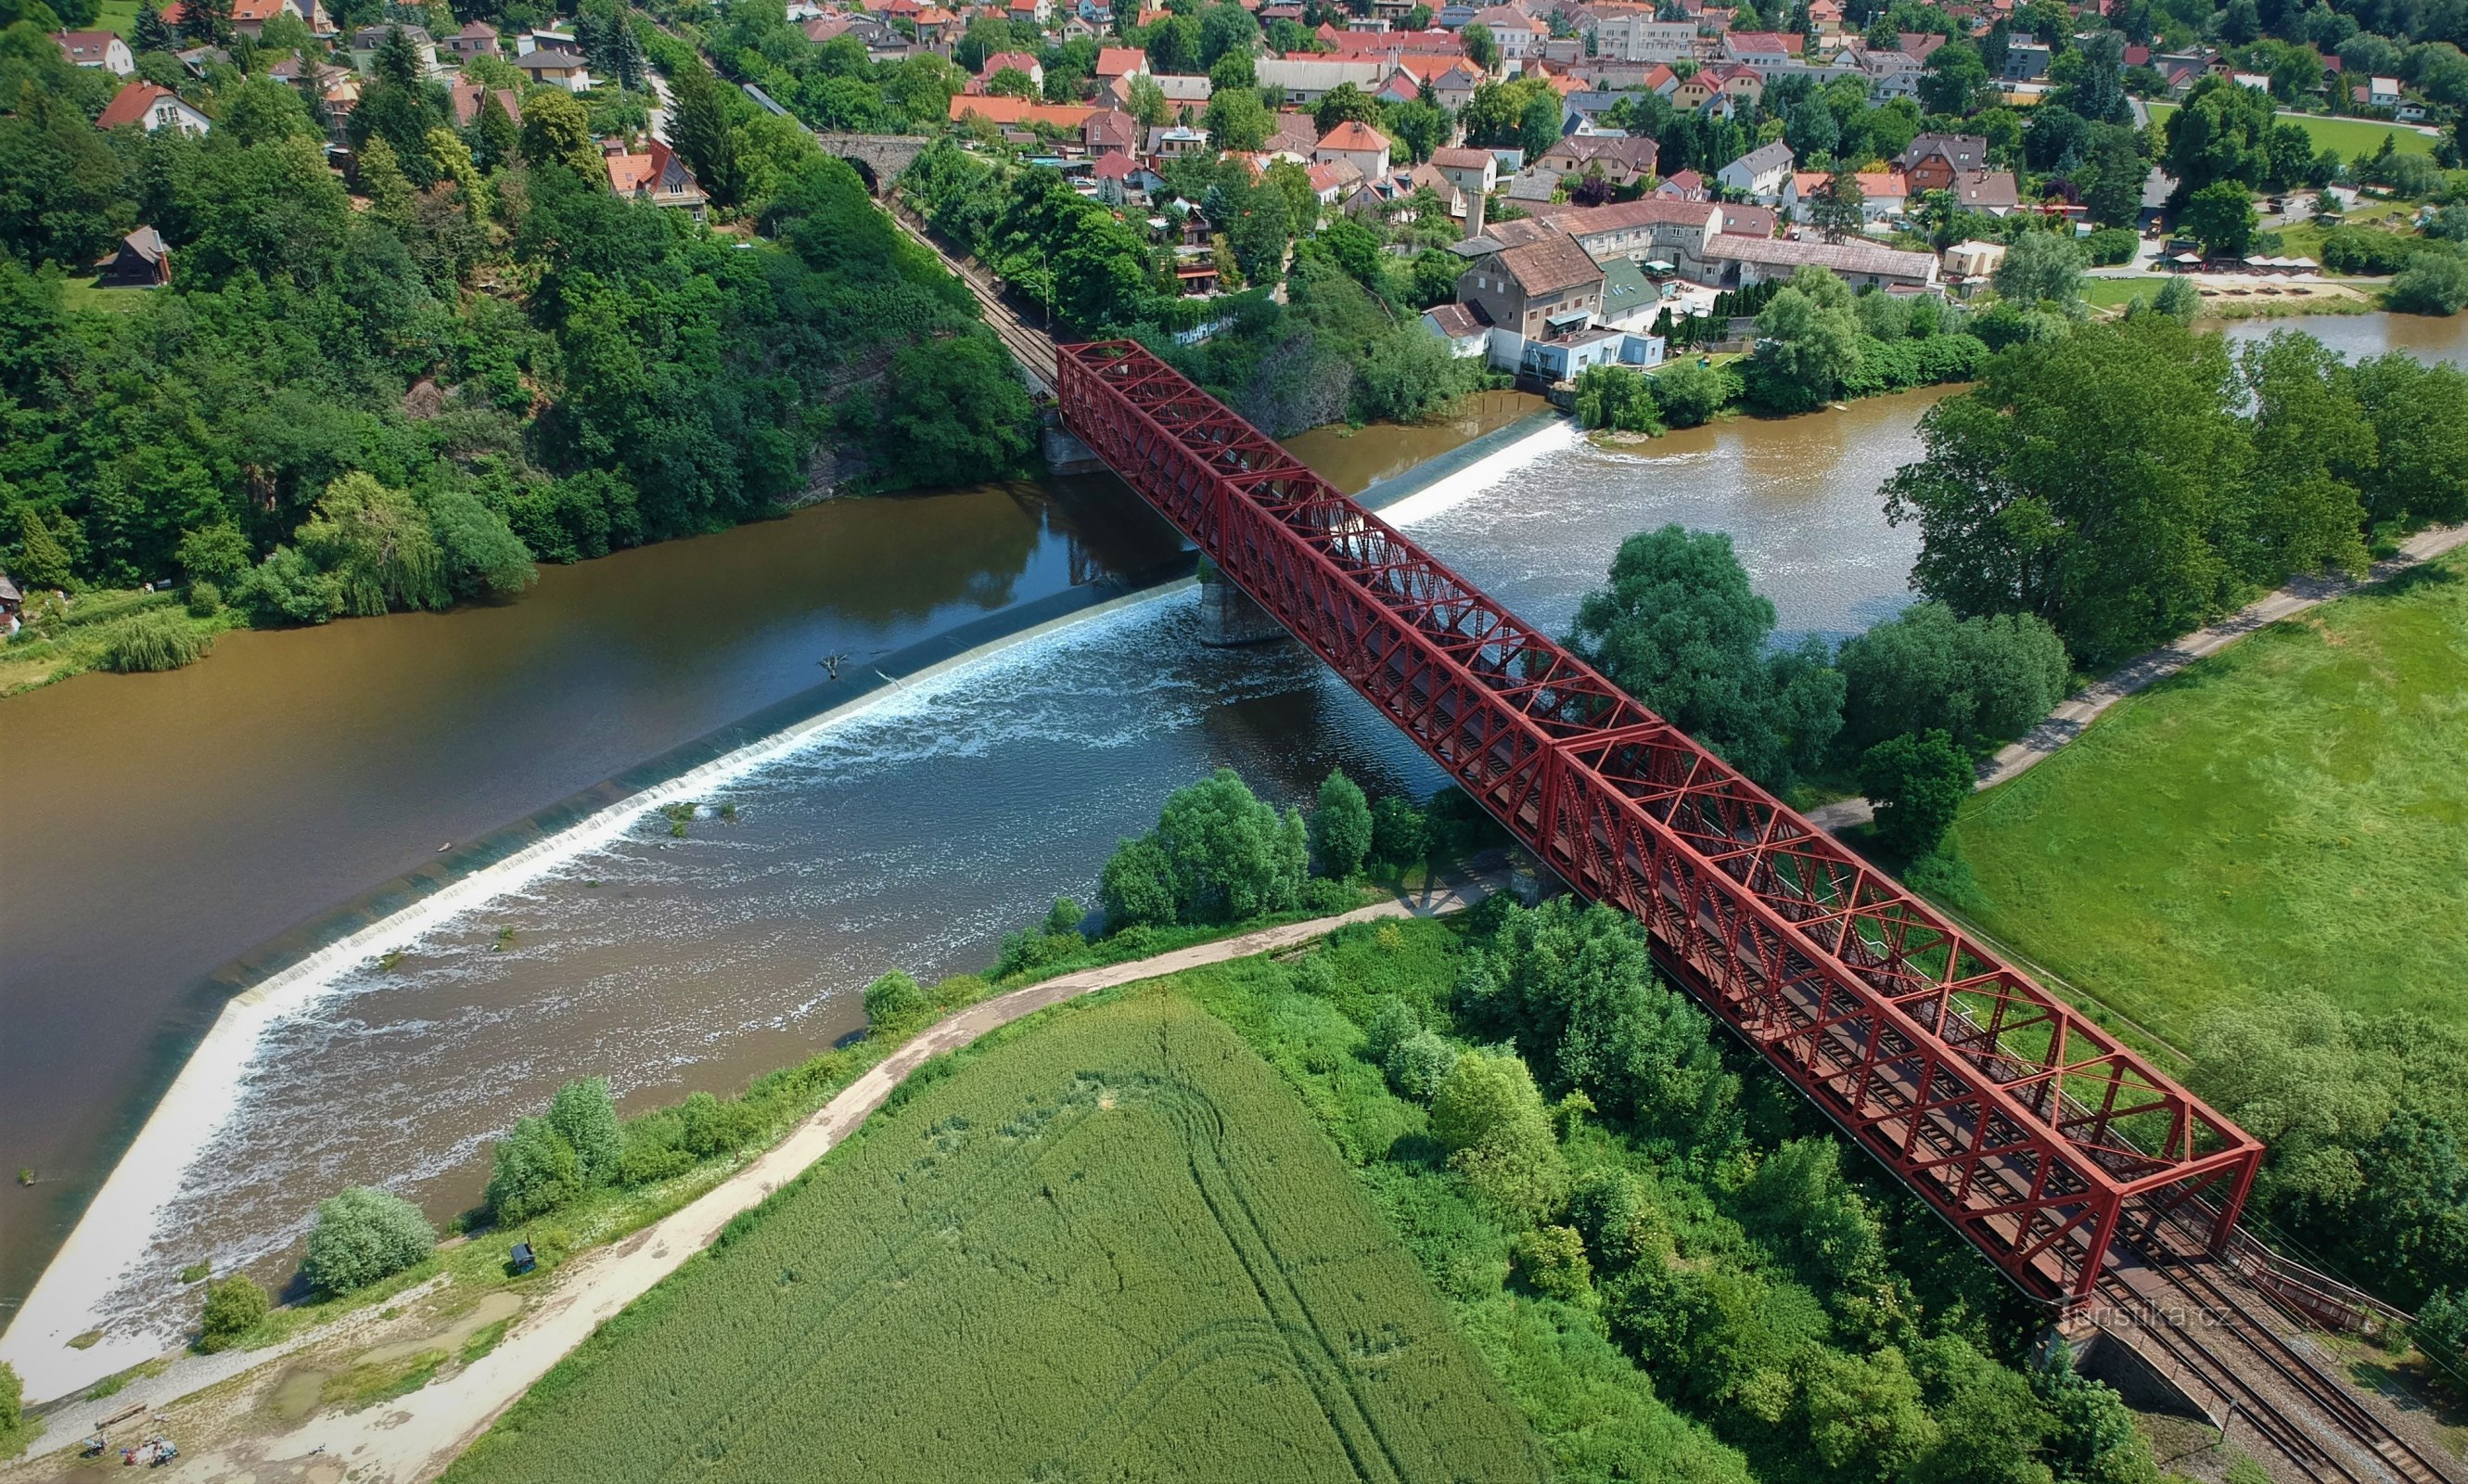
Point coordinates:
[[132, 104]]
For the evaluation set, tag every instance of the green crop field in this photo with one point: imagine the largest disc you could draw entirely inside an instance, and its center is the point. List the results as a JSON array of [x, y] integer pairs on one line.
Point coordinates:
[[2353, 138], [2290, 813], [1112, 1245]]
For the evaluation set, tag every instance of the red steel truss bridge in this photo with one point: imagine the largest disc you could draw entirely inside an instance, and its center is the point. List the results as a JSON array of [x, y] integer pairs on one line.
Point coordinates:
[[2030, 1128]]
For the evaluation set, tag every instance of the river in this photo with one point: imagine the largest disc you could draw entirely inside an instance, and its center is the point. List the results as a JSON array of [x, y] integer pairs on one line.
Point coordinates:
[[187, 818]]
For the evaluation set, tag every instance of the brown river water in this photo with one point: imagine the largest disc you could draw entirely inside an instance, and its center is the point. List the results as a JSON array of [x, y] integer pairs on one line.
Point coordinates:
[[189, 819]]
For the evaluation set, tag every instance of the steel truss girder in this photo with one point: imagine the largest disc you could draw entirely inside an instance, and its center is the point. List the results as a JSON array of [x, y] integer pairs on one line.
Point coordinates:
[[2027, 1127]]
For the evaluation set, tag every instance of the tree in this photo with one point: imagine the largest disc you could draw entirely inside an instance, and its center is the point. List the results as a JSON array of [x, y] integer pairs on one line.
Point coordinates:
[[378, 544], [150, 34], [1230, 854], [1239, 121], [1954, 79], [894, 996], [1148, 102], [1227, 29], [1808, 340], [532, 1172], [391, 198], [363, 1234], [1340, 828], [1864, 1415], [2433, 282], [1398, 836], [233, 1306], [1840, 209], [557, 131], [954, 413], [1345, 104], [2419, 412], [1678, 627], [2221, 217], [2219, 133], [397, 62], [206, 23], [2179, 298], [2311, 440], [1173, 45], [2085, 481], [2041, 267], [700, 131], [1984, 679], [1917, 783], [1012, 82], [1423, 127], [1481, 46], [1690, 395], [585, 1117], [1138, 887], [1489, 1116], [1809, 129], [1617, 397], [2118, 170]]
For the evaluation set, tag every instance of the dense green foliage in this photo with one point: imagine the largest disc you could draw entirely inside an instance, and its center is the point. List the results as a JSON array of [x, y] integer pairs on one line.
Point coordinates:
[[233, 1306], [1984, 680], [1724, 1272], [1106, 1245], [153, 641], [363, 1235], [1340, 826], [335, 411], [1678, 627], [1917, 782], [2132, 480], [1218, 855]]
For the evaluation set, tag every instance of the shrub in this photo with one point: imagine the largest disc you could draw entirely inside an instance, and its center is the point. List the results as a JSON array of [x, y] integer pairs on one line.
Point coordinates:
[[2112, 246], [1619, 397], [362, 1235], [1488, 1114], [2368, 250], [2441, 1326], [12, 1404], [585, 1117], [893, 997], [1137, 887], [1421, 1062], [1392, 1023], [1321, 896], [2433, 283], [1064, 917], [534, 1170], [159, 640], [1340, 828], [286, 587], [1917, 782], [1398, 837], [1552, 1261], [1690, 394], [234, 1307], [1029, 950], [205, 599]]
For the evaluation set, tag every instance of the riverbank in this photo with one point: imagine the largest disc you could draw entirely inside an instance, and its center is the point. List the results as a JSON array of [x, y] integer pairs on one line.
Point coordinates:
[[414, 1435], [293, 970]]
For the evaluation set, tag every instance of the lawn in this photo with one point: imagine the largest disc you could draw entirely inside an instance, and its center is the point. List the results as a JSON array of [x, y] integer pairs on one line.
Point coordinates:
[[1112, 1246], [2110, 293], [2353, 138], [118, 17], [2290, 813]]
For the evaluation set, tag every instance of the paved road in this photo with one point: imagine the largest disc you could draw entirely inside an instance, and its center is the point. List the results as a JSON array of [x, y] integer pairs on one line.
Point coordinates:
[[417, 1436], [2068, 721]]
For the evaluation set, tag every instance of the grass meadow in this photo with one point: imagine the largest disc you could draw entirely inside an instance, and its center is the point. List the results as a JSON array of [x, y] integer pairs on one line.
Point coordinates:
[[2353, 138], [1115, 1247], [2290, 813]]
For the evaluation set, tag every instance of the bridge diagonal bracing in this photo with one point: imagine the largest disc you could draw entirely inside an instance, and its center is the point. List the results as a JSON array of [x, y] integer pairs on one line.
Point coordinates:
[[2027, 1127]]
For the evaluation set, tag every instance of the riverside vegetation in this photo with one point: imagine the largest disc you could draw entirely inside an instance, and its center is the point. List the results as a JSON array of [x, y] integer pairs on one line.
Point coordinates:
[[1664, 1263], [336, 412]]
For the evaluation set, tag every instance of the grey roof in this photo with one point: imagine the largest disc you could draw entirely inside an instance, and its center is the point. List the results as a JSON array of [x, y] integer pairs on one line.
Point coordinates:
[[1842, 257], [1764, 158]]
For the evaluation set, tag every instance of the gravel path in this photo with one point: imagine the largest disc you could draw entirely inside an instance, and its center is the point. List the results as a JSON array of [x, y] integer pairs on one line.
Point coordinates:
[[416, 1437], [2068, 721]]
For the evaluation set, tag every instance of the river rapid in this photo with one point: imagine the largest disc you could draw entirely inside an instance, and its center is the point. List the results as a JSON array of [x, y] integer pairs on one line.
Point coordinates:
[[188, 818]]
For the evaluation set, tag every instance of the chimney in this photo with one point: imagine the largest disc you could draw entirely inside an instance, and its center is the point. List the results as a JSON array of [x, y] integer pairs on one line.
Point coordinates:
[[1476, 201]]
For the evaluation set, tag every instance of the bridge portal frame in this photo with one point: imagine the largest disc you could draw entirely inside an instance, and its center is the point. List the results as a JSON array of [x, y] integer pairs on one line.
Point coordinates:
[[2035, 1134]]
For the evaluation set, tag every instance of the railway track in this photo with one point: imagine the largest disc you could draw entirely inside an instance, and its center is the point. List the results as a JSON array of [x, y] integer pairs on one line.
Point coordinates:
[[2216, 1334], [1033, 348]]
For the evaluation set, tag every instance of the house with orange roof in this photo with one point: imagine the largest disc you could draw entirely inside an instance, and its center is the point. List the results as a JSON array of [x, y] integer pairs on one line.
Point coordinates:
[[149, 107], [1120, 61], [1017, 61], [1020, 112], [655, 175], [1357, 144]]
